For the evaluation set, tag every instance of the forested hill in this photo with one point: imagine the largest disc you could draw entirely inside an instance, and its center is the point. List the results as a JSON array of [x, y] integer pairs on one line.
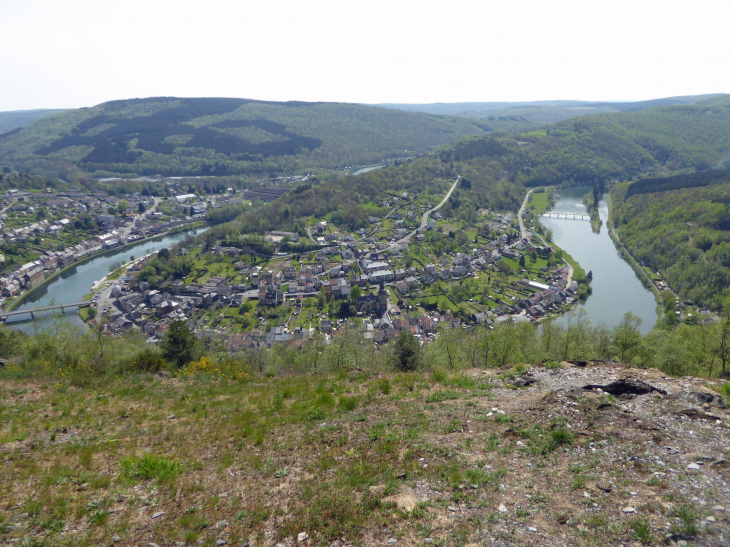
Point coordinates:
[[19, 118], [621, 145], [522, 116], [680, 227], [214, 136]]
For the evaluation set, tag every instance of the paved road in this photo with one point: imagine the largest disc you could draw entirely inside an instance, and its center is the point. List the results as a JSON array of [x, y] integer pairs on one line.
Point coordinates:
[[424, 220], [523, 230]]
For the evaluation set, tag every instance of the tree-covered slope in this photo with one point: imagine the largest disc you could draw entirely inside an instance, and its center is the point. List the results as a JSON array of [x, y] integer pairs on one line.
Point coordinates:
[[498, 167], [619, 145], [19, 118], [684, 234], [522, 116], [222, 136]]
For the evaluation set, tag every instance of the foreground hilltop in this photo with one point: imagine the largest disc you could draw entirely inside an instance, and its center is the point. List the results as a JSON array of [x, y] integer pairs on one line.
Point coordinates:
[[221, 136], [557, 454]]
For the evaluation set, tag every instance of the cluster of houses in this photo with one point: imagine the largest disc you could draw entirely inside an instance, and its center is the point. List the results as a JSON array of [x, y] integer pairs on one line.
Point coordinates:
[[31, 274]]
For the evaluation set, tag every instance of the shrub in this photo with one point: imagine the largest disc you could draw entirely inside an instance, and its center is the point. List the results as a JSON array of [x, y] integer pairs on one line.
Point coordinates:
[[407, 352], [148, 360], [438, 374]]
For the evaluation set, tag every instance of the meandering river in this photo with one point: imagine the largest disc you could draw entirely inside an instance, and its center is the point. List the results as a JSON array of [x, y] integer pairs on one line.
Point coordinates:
[[616, 287], [76, 282]]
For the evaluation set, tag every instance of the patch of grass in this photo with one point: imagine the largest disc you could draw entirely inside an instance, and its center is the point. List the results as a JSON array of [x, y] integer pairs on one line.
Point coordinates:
[[150, 466], [641, 531], [348, 404], [688, 516], [442, 395], [99, 517]]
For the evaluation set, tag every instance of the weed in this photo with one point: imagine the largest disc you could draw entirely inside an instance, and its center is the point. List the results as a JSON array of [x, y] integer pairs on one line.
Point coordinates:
[[492, 443], [553, 365], [687, 514], [53, 525], [150, 466], [385, 386], [439, 396], [99, 517], [641, 531], [348, 404], [562, 436], [654, 481]]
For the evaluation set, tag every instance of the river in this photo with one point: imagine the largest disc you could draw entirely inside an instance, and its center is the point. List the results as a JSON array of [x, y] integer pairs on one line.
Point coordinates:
[[74, 283], [368, 168], [616, 287]]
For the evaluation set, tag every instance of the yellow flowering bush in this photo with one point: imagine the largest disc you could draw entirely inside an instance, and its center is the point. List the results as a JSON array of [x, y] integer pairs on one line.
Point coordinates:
[[227, 368]]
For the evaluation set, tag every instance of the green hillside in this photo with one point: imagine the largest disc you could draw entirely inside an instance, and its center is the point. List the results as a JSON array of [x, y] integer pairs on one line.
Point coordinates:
[[681, 231], [620, 145], [19, 118], [521, 116], [214, 136], [497, 168]]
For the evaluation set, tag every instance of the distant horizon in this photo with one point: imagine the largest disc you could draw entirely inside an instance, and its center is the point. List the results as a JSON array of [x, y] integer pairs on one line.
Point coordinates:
[[607, 101]]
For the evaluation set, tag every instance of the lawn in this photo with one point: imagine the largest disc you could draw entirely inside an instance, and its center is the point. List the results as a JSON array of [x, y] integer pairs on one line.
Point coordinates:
[[538, 202]]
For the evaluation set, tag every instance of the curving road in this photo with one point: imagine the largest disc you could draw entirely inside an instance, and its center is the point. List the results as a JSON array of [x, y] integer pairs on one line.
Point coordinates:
[[523, 230], [424, 220]]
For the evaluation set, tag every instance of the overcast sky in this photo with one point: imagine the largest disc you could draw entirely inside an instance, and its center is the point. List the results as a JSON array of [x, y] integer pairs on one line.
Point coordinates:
[[73, 53]]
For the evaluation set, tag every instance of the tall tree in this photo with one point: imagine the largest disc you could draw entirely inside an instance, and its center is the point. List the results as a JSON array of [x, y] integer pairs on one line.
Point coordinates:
[[179, 344]]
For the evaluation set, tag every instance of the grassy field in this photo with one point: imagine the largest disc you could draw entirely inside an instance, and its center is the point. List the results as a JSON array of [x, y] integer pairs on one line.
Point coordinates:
[[538, 201], [209, 456]]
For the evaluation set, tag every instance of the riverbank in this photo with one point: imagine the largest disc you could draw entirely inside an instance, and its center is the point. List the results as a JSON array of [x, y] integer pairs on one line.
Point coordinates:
[[631, 261], [615, 288], [28, 294]]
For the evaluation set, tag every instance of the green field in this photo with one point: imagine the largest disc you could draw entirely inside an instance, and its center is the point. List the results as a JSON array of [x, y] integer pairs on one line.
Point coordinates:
[[538, 202]]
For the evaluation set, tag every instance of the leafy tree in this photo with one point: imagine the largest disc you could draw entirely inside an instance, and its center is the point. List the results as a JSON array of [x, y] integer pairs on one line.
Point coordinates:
[[122, 206], [141, 208], [179, 344], [355, 293], [407, 351], [627, 338]]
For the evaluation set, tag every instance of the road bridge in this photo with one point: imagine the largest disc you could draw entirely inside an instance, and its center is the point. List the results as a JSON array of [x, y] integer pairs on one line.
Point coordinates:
[[5, 314], [566, 216]]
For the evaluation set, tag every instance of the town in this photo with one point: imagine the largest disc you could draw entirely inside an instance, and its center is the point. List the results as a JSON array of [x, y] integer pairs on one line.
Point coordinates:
[[45, 232]]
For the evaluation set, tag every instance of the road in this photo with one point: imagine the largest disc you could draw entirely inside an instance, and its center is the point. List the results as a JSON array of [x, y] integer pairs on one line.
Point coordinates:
[[424, 220], [523, 230]]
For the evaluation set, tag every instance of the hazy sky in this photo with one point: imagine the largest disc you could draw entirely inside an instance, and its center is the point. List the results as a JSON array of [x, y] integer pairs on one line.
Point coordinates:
[[72, 53]]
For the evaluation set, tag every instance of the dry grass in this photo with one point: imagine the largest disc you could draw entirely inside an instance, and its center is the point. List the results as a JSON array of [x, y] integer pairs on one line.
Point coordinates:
[[346, 458]]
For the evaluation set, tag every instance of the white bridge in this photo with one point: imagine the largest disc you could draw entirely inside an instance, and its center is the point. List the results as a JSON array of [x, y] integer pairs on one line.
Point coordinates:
[[566, 216]]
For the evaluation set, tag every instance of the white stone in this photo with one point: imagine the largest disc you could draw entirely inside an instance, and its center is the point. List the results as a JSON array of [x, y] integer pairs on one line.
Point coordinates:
[[629, 510], [303, 536], [531, 529], [502, 508], [158, 514], [710, 519], [693, 466]]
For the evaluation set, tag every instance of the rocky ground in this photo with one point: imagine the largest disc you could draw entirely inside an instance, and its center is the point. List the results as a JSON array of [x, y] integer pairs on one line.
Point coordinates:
[[556, 454]]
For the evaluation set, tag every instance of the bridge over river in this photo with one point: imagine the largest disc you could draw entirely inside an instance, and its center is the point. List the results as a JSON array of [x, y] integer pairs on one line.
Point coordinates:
[[566, 216], [5, 314]]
